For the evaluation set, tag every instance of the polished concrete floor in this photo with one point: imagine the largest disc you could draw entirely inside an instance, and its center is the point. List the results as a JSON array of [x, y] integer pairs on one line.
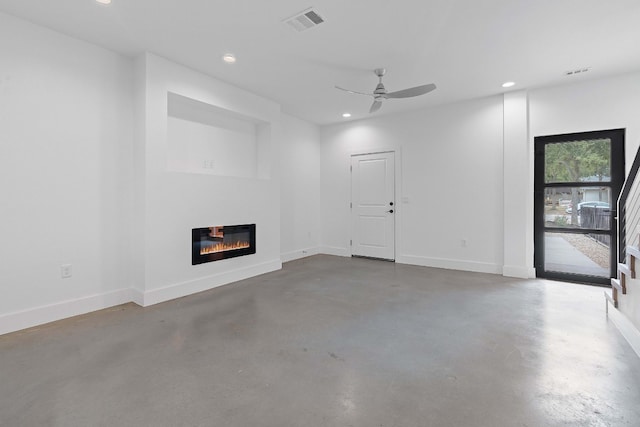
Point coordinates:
[[331, 341]]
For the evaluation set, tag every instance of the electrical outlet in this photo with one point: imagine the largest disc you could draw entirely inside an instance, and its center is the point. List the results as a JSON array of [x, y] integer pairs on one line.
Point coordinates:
[[65, 271], [208, 164]]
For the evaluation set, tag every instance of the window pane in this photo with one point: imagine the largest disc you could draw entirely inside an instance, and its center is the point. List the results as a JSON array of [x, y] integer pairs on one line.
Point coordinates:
[[577, 253], [592, 207], [578, 161]]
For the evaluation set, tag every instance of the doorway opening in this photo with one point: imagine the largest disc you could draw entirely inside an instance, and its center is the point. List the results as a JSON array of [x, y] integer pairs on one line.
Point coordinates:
[[578, 178], [373, 205]]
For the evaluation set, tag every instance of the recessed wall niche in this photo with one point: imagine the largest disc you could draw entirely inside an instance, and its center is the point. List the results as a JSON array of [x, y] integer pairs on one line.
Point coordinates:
[[207, 139]]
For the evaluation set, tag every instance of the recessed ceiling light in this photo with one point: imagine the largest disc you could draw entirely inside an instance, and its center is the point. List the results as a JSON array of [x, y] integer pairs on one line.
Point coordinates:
[[229, 58], [104, 1], [508, 84], [346, 115]]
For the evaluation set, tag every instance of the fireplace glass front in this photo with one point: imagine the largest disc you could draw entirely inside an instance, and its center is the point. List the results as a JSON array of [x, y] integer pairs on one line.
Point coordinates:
[[221, 242]]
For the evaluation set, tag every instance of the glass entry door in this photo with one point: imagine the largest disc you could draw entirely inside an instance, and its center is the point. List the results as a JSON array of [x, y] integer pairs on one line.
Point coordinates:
[[578, 178]]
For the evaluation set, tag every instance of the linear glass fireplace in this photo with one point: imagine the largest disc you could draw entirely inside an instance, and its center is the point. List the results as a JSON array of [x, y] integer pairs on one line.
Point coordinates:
[[222, 242]]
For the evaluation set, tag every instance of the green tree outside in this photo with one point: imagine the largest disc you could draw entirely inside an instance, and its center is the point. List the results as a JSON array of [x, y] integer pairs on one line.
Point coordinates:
[[577, 161]]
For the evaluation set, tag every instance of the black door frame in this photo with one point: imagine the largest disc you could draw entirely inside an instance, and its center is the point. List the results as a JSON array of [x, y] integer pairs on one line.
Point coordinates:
[[617, 137]]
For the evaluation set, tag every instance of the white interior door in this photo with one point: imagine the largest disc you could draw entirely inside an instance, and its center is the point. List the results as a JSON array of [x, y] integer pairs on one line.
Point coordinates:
[[373, 205]]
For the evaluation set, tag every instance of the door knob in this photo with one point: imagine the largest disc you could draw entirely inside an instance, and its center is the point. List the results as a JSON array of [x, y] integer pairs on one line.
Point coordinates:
[[391, 211], [390, 203]]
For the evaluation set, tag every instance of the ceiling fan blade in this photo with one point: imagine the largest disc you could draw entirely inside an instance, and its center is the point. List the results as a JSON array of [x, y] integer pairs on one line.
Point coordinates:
[[414, 91], [375, 106], [353, 91]]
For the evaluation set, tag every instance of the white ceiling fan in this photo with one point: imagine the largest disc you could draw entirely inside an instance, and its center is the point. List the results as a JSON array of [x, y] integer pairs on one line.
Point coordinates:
[[380, 93]]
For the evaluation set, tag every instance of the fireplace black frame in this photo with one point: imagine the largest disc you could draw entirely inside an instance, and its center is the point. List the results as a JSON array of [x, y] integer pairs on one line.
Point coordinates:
[[197, 235]]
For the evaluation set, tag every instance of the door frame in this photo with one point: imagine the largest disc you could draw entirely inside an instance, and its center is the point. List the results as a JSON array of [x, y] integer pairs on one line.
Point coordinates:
[[617, 137], [397, 153]]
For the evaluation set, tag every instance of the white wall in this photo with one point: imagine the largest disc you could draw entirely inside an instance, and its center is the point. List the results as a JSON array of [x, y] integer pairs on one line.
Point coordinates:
[[72, 172], [595, 105], [586, 105], [65, 169], [449, 183], [299, 167], [205, 139], [608, 103], [175, 202], [518, 187], [472, 154], [85, 180], [71, 195]]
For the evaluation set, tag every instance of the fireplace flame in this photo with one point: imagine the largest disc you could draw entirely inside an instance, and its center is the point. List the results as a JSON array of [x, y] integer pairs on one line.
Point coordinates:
[[221, 247]]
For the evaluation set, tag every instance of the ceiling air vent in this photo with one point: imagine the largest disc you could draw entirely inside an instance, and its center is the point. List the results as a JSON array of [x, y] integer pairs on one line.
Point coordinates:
[[577, 71], [304, 20]]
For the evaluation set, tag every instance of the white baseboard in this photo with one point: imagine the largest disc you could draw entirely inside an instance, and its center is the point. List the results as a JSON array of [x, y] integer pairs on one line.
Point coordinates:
[[519, 272], [331, 250], [24, 319], [16, 321], [179, 290], [137, 296], [450, 264], [301, 253], [626, 328]]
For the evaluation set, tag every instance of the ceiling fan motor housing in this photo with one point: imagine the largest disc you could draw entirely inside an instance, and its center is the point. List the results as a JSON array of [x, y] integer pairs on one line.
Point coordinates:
[[380, 90]]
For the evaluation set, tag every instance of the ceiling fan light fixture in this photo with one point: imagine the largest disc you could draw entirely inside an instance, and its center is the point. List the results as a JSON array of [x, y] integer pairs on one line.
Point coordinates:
[[508, 84]]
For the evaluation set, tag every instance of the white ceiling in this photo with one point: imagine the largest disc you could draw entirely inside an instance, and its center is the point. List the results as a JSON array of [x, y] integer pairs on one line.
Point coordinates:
[[468, 48]]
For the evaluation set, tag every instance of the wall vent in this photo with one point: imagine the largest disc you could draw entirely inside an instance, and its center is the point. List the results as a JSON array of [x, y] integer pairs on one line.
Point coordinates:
[[577, 71], [304, 20]]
